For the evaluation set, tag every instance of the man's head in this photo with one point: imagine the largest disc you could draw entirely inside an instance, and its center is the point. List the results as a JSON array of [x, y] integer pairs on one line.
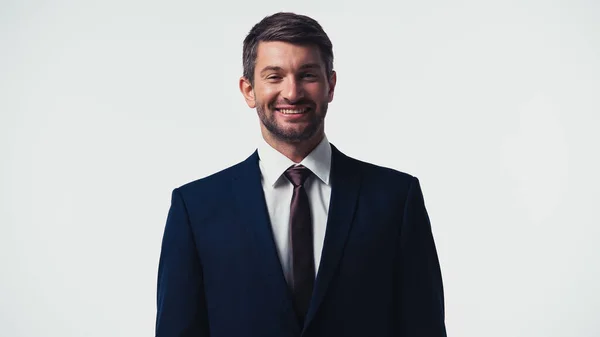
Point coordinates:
[[288, 76]]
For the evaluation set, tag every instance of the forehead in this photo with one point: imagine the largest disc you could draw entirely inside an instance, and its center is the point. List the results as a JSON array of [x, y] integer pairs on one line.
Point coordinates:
[[286, 55]]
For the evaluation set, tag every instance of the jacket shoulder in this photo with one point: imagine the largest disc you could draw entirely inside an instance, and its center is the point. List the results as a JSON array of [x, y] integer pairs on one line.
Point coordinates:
[[383, 188], [212, 195], [383, 171], [212, 183], [373, 173]]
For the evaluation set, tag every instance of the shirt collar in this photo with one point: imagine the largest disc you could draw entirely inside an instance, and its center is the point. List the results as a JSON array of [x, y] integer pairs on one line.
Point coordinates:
[[273, 163]]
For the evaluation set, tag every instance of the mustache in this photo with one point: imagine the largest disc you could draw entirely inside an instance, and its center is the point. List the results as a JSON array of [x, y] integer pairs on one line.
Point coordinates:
[[300, 102]]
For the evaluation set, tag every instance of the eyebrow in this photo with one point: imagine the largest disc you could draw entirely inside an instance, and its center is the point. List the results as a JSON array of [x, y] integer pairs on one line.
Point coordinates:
[[302, 67], [311, 66], [270, 68]]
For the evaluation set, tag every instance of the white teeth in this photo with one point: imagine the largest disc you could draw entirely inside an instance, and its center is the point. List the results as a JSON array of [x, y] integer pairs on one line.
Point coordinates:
[[293, 111]]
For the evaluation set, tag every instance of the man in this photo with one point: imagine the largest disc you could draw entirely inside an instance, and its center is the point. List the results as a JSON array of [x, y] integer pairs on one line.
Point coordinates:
[[298, 239]]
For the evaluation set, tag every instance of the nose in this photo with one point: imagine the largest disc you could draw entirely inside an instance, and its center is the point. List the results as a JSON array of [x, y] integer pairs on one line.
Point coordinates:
[[292, 90]]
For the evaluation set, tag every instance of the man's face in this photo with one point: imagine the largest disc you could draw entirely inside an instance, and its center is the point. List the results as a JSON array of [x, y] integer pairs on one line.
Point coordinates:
[[291, 90]]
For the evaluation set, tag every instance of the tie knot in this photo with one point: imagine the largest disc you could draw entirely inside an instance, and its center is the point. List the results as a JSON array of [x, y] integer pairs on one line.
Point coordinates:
[[297, 175]]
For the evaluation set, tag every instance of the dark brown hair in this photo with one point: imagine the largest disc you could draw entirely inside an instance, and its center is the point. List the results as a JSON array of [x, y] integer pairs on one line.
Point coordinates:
[[286, 27]]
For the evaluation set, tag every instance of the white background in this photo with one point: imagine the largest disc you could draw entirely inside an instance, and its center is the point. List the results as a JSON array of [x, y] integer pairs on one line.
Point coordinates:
[[107, 106]]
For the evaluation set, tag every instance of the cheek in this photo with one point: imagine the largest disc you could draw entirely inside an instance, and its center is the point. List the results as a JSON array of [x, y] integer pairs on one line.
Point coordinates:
[[317, 91], [266, 94]]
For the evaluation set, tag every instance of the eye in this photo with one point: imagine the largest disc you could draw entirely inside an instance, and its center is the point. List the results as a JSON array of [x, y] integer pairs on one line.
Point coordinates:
[[309, 76], [273, 77]]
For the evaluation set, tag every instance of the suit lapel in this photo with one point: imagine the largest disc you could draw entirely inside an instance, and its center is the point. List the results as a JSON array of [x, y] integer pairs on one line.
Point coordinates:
[[253, 213], [345, 180]]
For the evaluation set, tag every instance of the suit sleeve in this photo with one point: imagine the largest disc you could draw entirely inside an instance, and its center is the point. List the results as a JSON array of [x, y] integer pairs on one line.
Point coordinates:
[[421, 296], [181, 307]]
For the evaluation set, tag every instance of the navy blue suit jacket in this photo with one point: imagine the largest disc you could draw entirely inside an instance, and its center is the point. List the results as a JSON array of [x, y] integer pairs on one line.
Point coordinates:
[[220, 276]]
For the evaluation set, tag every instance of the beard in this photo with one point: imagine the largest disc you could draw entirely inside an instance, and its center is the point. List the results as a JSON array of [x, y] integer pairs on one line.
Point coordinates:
[[291, 135]]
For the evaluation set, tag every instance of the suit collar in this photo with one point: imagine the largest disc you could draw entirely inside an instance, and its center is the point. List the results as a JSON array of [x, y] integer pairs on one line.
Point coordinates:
[[252, 212], [345, 180]]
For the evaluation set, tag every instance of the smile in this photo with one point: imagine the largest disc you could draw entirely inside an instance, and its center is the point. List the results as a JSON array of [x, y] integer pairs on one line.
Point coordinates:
[[293, 111]]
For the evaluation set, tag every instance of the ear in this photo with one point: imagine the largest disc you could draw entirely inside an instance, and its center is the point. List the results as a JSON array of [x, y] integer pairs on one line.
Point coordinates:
[[247, 91], [332, 82]]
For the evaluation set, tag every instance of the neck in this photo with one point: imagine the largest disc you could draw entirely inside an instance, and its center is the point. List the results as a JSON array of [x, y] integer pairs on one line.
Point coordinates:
[[295, 151]]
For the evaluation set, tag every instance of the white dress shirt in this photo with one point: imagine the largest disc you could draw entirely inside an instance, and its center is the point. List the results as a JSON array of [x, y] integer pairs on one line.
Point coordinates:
[[278, 195]]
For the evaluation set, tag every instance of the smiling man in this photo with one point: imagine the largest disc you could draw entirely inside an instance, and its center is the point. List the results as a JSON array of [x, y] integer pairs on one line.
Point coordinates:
[[298, 239]]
